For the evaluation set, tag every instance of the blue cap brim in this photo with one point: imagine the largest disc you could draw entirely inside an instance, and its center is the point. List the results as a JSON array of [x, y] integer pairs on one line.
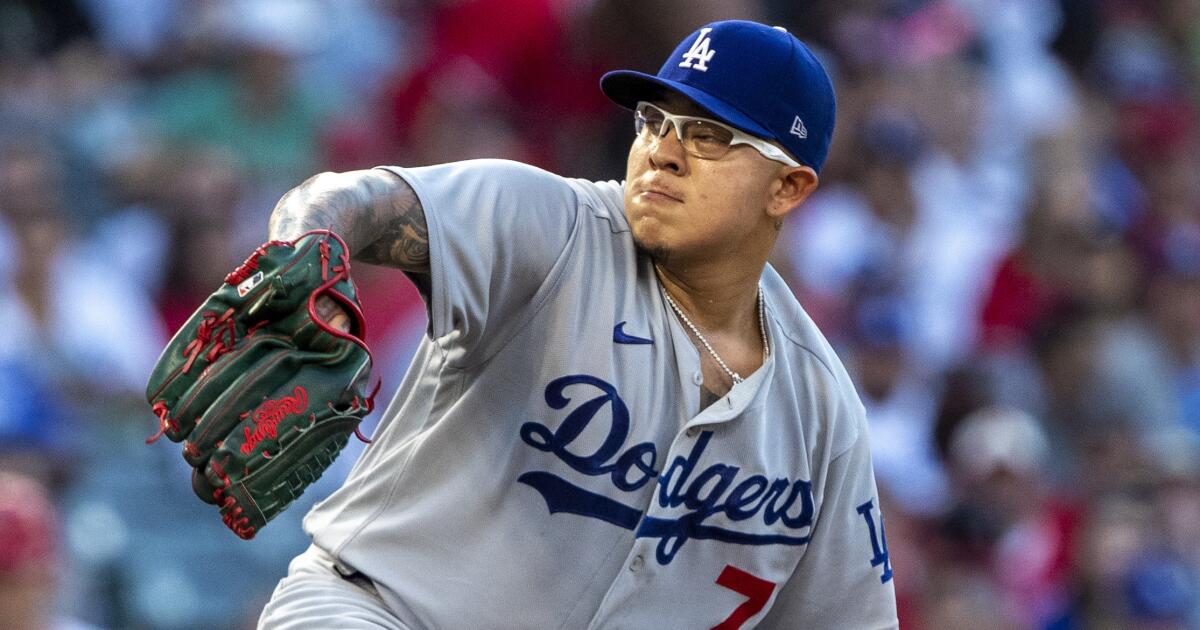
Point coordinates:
[[627, 87]]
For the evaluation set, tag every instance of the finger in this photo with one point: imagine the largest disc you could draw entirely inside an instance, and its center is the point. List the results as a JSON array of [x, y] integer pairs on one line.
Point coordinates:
[[333, 314]]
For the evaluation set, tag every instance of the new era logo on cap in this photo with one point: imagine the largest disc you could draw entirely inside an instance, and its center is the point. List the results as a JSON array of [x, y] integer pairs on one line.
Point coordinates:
[[798, 128]]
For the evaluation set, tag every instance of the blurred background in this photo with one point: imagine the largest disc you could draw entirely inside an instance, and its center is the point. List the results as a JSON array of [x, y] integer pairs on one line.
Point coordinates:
[[1005, 250]]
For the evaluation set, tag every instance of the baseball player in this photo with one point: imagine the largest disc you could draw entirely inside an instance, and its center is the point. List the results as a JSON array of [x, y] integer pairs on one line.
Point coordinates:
[[620, 416]]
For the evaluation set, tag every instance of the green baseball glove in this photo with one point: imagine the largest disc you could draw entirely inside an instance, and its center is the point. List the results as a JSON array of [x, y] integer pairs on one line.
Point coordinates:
[[262, 391]]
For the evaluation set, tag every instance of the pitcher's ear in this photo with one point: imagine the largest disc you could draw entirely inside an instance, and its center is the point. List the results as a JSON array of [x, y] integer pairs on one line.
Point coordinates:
[[793, 186]]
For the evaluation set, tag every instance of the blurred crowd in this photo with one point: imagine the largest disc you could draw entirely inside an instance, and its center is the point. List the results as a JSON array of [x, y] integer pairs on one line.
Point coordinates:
[[1005, 250]]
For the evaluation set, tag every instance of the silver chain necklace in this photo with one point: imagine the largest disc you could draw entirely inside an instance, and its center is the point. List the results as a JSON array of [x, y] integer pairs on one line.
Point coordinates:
[[707, 346]]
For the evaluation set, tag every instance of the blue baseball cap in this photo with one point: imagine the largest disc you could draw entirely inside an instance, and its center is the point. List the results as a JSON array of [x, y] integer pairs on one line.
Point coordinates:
[[758, 78]]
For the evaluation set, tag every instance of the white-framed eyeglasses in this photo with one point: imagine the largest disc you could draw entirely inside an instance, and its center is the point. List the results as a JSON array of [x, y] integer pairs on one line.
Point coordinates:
[[704, 138]]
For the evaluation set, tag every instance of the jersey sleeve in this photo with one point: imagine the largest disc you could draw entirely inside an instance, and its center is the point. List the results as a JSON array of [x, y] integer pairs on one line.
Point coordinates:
[[845, 578], [496, 230]]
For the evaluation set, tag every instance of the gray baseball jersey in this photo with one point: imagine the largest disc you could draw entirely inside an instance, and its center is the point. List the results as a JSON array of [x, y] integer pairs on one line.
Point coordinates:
[[545, 463]]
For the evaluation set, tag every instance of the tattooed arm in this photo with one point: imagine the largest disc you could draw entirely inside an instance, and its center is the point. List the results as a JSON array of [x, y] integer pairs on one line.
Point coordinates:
[[375, 211]]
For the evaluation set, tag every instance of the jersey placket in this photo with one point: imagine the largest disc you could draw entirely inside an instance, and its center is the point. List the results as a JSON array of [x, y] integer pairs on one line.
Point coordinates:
[[640, 566]]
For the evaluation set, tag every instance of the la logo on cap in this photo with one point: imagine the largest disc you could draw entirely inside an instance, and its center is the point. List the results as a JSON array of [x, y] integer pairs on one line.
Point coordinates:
[[698, 56]]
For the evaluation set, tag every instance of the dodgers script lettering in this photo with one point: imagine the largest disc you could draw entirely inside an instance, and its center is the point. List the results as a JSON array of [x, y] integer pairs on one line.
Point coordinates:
[[687, 495]]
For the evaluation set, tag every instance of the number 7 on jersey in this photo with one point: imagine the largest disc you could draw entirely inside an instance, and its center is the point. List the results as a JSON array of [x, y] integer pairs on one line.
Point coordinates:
[[757, 590]]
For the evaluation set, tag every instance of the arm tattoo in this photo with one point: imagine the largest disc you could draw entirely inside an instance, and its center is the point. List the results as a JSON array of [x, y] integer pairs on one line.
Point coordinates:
[[375, 211], [403, 241]]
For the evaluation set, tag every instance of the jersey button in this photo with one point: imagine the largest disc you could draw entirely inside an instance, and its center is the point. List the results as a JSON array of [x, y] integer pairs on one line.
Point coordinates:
[[698, 377], [692, 432], [636, 564]]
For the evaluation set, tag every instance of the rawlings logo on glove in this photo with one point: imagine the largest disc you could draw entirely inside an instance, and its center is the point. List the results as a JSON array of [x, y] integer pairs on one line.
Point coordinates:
[[267, 417], [262, 392]]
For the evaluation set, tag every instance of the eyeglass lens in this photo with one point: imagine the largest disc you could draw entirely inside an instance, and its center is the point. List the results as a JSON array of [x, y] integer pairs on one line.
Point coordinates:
[[699, 137]]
